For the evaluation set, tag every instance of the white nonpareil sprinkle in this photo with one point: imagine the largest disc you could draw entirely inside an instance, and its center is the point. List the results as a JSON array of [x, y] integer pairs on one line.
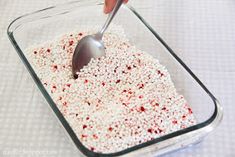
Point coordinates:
[[118, 101]]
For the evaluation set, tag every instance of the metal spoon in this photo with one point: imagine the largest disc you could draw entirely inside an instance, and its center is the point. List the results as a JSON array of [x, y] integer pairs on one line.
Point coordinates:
[[91, 46]]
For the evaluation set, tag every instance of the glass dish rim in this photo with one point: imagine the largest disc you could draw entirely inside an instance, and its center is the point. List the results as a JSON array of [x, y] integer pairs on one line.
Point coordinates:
[[217, 114]]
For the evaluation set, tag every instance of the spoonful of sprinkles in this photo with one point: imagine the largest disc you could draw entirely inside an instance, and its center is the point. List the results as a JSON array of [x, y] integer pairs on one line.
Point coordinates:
[[91, 46]]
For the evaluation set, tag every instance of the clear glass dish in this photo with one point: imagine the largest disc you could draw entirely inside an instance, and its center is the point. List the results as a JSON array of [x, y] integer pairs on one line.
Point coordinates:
[[46, 24]]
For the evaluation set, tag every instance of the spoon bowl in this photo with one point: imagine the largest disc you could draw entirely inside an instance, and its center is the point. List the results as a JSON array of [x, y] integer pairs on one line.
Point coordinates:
[[91, 46]]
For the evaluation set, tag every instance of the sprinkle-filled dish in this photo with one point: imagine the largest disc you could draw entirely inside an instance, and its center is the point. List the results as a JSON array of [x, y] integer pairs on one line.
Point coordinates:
[[118, 101]]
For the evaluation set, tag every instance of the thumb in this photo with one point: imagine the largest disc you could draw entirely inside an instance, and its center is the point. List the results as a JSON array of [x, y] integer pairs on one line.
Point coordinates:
[[109, 5]]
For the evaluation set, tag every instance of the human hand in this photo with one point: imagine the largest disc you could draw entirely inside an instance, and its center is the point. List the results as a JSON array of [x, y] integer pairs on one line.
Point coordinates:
[[109, 5]]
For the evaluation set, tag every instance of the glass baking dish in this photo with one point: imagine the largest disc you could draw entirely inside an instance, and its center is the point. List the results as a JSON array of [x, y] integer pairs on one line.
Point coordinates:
[[46, 24]]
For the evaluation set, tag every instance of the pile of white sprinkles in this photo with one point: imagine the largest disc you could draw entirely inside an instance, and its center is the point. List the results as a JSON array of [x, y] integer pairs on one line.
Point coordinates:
[[118, 101]]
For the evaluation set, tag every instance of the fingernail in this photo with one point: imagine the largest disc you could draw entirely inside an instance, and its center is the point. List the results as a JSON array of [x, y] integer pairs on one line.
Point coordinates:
[[105, 10], [105, 7]]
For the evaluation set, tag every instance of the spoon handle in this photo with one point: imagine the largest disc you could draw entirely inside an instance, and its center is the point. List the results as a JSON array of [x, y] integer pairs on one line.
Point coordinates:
[[110, 17]]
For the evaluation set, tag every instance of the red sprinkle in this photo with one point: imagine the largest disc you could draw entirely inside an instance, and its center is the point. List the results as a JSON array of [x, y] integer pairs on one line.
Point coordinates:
[[70, 42], [86, 81], [142, 109], [164, 108], [141, 86], [190, 111], [48, 50], [160, 73], [84, 126], [118, 81], [95, 136], [65, 103], [183, 126], [156, 104], [84, 136], [160, 130], [124, 104], [68, 85], [103, 83], [141, 96], [150, 130], [35, 52], [174, 122], [110, 129], [80, 34]]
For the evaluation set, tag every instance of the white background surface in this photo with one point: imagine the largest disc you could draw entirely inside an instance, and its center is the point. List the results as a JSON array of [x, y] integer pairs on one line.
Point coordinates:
[[201, 32]]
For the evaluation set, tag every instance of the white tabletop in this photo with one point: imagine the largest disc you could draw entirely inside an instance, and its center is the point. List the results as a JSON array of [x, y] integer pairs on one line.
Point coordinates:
[[202, 33]]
